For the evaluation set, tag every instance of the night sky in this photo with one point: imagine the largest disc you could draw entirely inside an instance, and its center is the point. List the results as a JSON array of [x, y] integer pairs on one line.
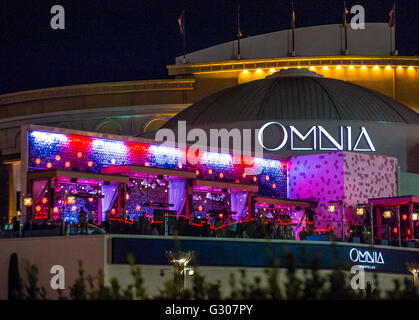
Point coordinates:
[[133, 39]]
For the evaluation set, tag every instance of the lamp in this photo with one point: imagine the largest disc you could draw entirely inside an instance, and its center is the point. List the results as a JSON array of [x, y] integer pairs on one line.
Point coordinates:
[[331, 208], [27, 201], [415, 216], [181, 259], [387, 213], [360, 211], [414, 269], [71, 199]]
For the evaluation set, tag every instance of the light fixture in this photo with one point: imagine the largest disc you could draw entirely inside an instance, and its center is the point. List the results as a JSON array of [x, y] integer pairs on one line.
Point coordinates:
[[415, 216], [338, 67], [360, 211], [411, 68], [180, 260], [245, 71], [312, 68], [363, 67], [272, 70], [376, 67], [414, 269], [388, 67], [387, 214], [325, 68], [259, 70], [399, 67], [27, 201], [331, 208], [351, 67], [71, 199]]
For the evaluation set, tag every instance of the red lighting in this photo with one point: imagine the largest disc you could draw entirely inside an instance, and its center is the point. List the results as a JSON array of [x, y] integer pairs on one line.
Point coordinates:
[[197, 172], [395, 230], [127, 196], [49, 165], [113, 211], [90, 163], [38, 208], [38, 161], [55, 210], [44, 200], [147, 164], [90, 199], [244, 175], [404, 217], [57, 157], [79, 154], [408, 232], [67, 164], [237, 181], [220, 215]]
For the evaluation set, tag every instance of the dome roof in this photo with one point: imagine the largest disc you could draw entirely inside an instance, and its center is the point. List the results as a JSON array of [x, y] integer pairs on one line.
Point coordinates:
[[295, 94]]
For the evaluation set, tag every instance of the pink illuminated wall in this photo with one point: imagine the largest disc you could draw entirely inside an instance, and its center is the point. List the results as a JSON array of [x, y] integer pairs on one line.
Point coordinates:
[[348, 176]]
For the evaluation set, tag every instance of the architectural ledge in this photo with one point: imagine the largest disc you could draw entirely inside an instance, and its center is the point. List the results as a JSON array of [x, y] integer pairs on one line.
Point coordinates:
[[97, 89]]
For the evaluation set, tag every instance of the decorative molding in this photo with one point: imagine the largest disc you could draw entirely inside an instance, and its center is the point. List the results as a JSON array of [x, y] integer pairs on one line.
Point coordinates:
[[97, 89], [290, 62]]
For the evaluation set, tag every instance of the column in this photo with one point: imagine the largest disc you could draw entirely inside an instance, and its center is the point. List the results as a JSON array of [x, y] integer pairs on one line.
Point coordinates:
[[378, 211]]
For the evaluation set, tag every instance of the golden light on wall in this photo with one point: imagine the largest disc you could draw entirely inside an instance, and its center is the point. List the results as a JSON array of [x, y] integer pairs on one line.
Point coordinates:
[[27, 201], [245, 71], [325, 68], [259, 70], [360, 211], [338, 67], [399, 67], [387, 213], [388, 67], [272, 70], [331, 208], [411, 68], [351, 67], [376, 67], [363, 67]]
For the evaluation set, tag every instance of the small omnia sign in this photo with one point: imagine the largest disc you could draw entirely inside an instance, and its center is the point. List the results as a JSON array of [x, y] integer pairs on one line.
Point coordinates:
[[366, 256]]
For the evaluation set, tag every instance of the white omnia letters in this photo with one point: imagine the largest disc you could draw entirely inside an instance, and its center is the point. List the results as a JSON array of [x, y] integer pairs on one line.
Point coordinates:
[[317, 136], [366, 256]]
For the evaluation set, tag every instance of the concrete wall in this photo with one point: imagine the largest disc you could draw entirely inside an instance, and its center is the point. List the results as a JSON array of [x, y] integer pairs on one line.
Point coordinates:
[[48, 251], [154, 282]]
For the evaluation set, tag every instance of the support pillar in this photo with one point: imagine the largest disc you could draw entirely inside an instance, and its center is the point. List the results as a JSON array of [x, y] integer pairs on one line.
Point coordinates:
[[378, 210], [411, 222]]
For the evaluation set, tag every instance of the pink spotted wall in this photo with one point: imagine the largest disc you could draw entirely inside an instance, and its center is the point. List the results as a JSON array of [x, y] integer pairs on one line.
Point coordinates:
[[368, 176], [349, 176]]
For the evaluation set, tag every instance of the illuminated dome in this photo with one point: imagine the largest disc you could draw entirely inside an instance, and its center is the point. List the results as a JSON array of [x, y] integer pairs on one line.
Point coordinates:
[[295, 94]]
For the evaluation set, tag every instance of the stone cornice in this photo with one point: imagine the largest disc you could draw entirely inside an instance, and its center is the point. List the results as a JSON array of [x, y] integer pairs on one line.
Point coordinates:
[[97, 89]]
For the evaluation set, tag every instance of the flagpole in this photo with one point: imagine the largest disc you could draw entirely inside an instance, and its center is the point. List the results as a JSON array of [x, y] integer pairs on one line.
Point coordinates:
[[345, 27], [184, 38], [293, 53], [238, 32]]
